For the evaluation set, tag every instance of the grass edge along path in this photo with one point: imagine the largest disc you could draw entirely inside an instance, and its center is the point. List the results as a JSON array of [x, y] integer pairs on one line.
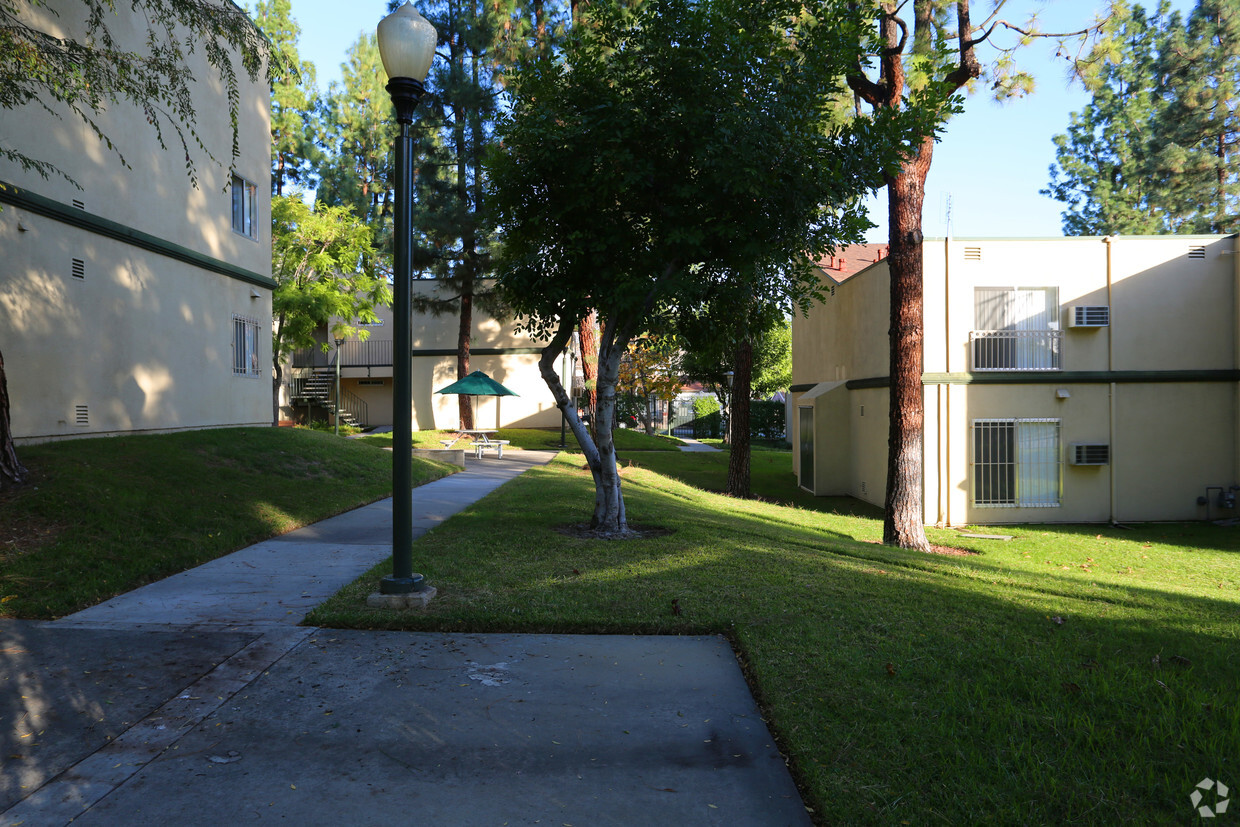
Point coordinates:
[[902, 686], [101, 517]]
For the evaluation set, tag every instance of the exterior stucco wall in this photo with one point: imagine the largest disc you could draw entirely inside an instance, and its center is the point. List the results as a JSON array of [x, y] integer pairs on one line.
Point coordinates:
[[1157, 384], [144, 338], [842, 337]]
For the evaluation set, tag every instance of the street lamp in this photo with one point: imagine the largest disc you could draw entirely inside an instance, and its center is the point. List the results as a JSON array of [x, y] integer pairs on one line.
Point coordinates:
[[339, 342], [407, 47]]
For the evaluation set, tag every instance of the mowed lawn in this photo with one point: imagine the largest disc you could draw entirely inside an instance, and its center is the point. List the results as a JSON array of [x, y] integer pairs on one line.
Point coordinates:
[[1070, 675]]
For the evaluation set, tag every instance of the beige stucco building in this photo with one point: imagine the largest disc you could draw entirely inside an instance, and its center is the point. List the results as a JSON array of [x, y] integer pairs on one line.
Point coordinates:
[[137, 302], [1066, 380], [506, 355]]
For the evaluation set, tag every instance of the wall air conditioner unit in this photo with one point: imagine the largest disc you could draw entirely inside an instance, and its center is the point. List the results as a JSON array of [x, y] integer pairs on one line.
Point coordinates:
[[1090, 315], [1089, 453]]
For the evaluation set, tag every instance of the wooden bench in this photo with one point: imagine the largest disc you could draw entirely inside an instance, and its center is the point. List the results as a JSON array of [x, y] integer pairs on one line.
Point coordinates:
[[484, 443]]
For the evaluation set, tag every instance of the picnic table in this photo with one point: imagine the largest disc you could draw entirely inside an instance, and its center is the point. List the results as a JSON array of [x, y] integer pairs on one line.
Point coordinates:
[[483, 441]]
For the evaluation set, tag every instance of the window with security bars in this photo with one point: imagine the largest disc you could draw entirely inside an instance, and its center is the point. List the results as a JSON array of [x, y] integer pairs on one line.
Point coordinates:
[[1016, 328], [245, 346], [1016, 463]]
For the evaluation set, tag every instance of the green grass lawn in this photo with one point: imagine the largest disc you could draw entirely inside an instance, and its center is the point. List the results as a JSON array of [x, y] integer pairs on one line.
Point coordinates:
[[536, 439], [103, 516], [1070, 675]]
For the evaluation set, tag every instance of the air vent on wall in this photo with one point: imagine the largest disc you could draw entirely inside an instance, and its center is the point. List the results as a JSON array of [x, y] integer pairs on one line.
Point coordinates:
[[1197, 252], [1090, 315], [972, 253], [81, 416], [1090, 453], [79, 268], [374, 382]]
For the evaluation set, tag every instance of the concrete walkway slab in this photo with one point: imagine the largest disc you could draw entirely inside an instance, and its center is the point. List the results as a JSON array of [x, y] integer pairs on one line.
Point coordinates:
[[692, 445], [389, 728]]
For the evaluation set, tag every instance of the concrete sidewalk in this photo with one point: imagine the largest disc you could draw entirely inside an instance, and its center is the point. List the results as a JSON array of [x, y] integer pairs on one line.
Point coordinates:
[[199, 700]]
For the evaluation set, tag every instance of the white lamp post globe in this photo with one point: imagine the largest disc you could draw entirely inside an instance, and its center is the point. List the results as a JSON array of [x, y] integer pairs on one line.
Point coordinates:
[[406, 44]]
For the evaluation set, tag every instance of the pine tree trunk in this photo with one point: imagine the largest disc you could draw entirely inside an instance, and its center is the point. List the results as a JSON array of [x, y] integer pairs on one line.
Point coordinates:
[[903, 524], [738, 421], [12, 472], [466, 406]]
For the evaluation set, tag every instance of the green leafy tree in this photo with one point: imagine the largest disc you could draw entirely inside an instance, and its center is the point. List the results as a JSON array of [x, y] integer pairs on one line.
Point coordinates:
[[924, 56], [711, 156], [1156, 148], [726, 348], [295, 123], [321, 259]]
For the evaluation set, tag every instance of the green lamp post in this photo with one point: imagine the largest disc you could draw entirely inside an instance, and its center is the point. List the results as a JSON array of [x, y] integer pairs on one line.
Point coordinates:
[[407, 47]]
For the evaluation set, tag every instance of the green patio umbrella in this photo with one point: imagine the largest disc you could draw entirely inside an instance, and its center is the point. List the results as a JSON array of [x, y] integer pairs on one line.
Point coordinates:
[[479, 384]]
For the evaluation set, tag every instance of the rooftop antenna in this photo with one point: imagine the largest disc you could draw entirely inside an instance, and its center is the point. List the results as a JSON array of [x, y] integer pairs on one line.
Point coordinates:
[[947, 213]]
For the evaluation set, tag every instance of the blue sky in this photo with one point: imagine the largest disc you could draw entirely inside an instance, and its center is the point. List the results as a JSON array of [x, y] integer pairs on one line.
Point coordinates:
[[991, 161]]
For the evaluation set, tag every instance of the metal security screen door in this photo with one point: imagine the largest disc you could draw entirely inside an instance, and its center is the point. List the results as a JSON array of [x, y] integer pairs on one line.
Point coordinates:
[[1016, 462], [805, 431]]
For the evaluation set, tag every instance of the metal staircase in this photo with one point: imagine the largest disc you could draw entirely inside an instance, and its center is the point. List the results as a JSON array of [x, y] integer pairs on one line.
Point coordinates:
[[318, 389]]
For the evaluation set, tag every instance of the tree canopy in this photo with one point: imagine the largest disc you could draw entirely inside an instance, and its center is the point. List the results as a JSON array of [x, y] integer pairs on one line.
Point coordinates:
[[714, 153], [1157, 148]]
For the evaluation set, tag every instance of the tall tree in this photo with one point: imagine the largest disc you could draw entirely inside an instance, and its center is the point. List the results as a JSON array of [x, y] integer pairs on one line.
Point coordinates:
[[712, 156], [1156, 148], [921, 63], [322, 261], [724, 339], [295, 123], [359, 135], [451, 209]]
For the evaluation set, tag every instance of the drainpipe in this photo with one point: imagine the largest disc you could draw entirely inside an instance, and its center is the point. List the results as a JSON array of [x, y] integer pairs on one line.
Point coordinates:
[[1110, 242], [945, 393], [1235, 316]]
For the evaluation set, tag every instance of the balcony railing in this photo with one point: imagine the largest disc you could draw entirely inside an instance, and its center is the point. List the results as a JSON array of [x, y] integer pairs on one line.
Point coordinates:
[[1016, 349], [372, 353]]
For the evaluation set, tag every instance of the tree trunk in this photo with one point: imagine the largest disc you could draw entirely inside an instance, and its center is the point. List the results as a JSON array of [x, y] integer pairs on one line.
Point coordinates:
[[903, 523], [276, 376], [589, 364], [462, 356], [12, 472], [738, 421], [609, 513]]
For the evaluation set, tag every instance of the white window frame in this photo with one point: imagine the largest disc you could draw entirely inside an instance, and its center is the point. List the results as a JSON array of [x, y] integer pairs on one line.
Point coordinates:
[[1020, 466], [246, 346], [244, 207]]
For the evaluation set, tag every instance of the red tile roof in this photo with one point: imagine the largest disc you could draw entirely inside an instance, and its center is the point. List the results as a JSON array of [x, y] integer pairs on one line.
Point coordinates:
[[850, 261]]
